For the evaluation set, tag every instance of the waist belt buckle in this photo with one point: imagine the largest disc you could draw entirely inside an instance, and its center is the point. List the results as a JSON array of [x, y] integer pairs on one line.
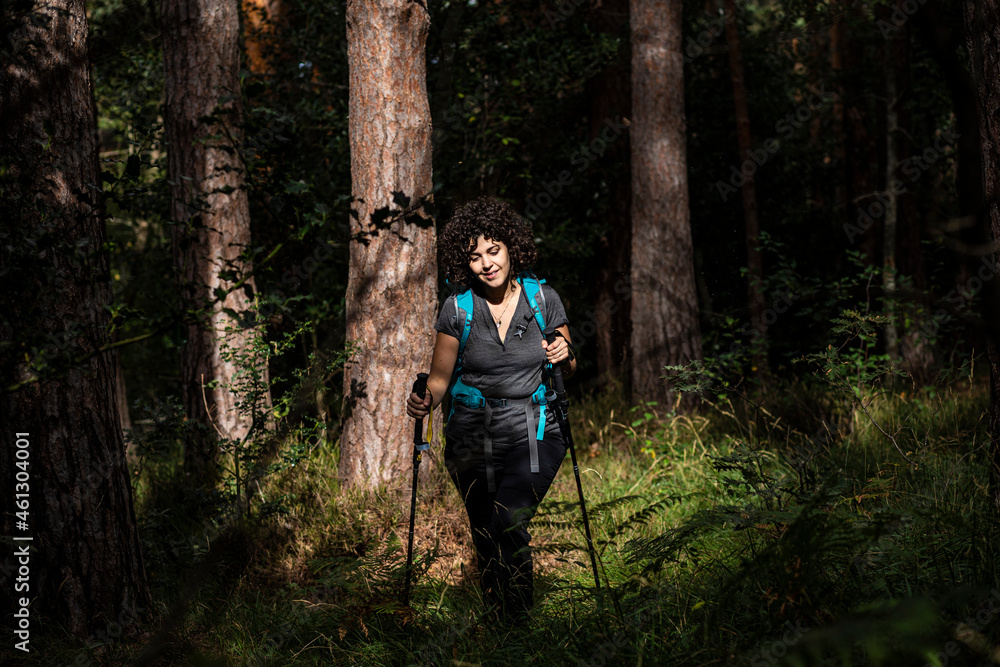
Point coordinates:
[[497, 402]]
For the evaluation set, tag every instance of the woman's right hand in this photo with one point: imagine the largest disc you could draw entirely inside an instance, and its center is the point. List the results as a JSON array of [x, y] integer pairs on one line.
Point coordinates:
[[417, 407]]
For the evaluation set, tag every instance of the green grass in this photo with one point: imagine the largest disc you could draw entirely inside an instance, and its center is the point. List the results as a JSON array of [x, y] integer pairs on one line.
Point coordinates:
[[787, 529]]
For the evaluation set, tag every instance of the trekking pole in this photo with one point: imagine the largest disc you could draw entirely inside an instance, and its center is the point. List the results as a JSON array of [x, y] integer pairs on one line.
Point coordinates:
[[419, 387], [562, 414]]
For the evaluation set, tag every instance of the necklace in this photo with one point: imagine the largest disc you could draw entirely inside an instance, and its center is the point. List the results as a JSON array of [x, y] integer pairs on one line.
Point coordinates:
[[506, 299]]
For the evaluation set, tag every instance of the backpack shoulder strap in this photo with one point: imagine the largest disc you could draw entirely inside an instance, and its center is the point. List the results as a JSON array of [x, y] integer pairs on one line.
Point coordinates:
[[463, 302], [532, 290]]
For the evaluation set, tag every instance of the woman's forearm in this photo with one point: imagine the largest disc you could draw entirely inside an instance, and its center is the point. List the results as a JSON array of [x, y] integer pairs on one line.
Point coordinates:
[[438, 387]]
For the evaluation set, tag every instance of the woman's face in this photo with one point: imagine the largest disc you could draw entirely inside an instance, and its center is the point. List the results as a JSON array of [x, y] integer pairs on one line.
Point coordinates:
[[489, 262]]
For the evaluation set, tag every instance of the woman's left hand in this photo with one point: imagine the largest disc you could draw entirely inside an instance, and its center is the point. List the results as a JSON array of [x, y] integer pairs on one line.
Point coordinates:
[[557, 351]]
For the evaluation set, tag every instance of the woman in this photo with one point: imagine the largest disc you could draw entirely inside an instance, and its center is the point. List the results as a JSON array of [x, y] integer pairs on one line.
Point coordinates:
[[501, 452]]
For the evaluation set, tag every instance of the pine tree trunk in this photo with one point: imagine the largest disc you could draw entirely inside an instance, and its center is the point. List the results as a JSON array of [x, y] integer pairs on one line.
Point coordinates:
[[85, 568], [862, 153], [974, 232], [915, 349], [982, 29], [665, 321], [260, 19], [392, 285], [755, 271], [838, 42], [889, 230], [610, 93], [210, 213]]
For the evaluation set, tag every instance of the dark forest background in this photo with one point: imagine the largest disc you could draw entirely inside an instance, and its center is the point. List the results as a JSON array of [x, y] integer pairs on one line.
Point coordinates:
[[815, 486], [518, 94]]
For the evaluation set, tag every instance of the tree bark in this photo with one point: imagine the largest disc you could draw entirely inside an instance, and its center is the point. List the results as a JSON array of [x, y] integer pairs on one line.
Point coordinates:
[[392, 284], [914, 348], [84, 568], [982, 30], [838, 41], [973, 231], [610, 93], [755, 271], [260, 43], [889, 229], [861, 151], [665, 326], [211, 216]]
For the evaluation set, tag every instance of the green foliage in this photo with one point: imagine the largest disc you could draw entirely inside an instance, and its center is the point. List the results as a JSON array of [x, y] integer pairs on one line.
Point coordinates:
[[784, 499], [854, 365], [813, 546]]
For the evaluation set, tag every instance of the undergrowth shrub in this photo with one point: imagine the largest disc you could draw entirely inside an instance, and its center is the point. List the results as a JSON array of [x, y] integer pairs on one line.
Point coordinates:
[[839, 518]]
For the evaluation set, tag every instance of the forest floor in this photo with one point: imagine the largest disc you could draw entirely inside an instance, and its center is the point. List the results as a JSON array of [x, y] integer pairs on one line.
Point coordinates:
[[790, 524]]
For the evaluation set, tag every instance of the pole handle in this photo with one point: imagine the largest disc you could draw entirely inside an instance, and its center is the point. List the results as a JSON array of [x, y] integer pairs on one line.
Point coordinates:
[[557, 377], [420, 384], [419, 388]]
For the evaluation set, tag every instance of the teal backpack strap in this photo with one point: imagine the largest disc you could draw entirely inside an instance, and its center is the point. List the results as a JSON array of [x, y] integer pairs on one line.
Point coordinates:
[[533, 289], [464, 302], [540, 397]]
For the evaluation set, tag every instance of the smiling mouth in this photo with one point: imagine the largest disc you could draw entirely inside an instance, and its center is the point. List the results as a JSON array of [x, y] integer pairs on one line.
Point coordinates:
[[491, 276]]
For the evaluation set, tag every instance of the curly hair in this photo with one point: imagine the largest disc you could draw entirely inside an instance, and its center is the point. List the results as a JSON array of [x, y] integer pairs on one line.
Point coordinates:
[[490, 218]]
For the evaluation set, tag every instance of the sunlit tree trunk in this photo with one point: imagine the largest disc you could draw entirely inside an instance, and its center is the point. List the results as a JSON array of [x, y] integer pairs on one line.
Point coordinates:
[[982, 29], [211, 216], [62, 436], [260, 43], [391, 293], [665, 325]]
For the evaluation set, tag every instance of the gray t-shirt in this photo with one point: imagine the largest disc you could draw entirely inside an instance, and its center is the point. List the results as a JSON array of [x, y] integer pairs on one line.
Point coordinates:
[[508, 369]]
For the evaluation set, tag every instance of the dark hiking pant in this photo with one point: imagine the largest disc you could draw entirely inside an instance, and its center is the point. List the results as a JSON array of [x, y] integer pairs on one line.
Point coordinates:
[[499, 520]]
